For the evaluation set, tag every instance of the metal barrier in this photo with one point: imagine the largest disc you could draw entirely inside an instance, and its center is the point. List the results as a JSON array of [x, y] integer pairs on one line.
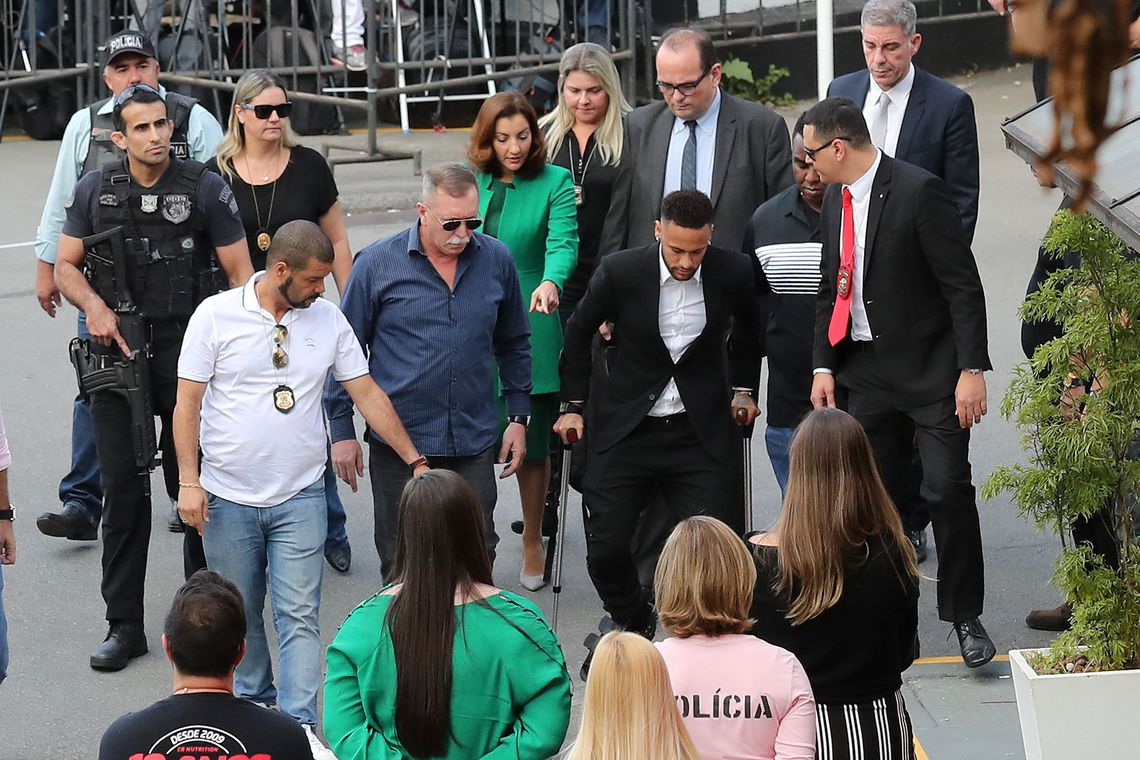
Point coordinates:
[[416, 52]]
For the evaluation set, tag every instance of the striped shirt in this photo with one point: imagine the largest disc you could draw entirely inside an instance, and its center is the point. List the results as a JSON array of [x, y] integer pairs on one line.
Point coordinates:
[[435, 350]]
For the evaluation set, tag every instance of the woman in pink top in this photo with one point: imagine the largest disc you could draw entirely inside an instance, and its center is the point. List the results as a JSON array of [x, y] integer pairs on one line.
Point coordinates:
[[740, 698]]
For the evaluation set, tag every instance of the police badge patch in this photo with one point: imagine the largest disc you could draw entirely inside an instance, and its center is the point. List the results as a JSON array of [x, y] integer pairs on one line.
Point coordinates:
[[176, 208], [149, 203]]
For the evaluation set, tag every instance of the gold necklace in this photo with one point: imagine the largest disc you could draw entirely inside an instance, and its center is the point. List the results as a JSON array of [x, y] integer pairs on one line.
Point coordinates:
[[263, 237]]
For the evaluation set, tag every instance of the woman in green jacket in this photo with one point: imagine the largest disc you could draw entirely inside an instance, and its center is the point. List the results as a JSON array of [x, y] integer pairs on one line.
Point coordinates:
[[529, 205], [442, 664]]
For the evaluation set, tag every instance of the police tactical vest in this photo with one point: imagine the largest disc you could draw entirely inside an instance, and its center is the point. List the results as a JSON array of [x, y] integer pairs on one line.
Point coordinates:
[[101, 152], [171, 266]]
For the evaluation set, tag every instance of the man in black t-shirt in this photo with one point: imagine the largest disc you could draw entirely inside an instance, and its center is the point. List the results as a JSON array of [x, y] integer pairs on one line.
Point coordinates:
[[204, 639]]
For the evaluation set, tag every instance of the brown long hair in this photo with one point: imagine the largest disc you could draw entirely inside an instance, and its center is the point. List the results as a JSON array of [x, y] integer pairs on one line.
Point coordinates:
[[440, 550], [836, 507], [481, 149]]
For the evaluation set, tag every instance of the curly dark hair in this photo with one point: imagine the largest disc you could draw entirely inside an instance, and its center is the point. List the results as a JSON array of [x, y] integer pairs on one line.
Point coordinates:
[[481, 149], [690, 209]]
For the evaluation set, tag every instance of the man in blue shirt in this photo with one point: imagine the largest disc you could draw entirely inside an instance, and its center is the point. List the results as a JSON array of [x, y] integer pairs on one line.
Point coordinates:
[[439, 309], [129, 59]]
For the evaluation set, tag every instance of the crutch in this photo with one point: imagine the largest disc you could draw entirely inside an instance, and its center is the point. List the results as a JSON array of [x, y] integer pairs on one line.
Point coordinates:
[[746, 430], [571, 439]]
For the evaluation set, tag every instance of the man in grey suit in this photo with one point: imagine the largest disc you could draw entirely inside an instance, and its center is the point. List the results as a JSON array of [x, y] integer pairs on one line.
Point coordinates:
[[698, 138]]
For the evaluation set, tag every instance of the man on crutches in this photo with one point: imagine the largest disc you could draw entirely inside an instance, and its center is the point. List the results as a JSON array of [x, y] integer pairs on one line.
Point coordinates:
[[663, 421]]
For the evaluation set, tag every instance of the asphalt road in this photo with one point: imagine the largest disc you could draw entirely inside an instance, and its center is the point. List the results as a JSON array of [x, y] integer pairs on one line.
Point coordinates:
[[54, 705]]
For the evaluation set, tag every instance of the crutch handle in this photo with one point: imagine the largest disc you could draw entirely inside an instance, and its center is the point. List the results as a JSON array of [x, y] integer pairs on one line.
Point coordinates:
[[745, 426], [571, 438]]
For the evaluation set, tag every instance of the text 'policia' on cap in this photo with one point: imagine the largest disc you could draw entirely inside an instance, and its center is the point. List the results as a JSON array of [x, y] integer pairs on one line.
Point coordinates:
[[128, 42]]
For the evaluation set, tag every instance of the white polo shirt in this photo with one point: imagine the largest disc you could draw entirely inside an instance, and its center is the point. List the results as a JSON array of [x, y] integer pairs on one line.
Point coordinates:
[[252, 454]]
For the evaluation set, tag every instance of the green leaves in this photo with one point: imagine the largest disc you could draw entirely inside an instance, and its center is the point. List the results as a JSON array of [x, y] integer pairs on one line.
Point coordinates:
[[740, 81]]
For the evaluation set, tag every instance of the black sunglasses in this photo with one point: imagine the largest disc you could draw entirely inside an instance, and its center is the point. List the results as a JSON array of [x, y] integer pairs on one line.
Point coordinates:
[[810, 152], [280, 358], [685, 88], [263, 110], [451, 225], [133, 90]]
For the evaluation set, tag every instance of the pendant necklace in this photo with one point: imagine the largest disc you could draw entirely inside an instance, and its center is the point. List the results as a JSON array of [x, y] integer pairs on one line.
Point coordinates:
[[263, 237], [283, 397], [578, 174]]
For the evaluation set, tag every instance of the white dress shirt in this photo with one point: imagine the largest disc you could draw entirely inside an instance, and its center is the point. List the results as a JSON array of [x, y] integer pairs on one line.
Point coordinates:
[[860, 202], [900, 96], [706, 148], [681, 319]]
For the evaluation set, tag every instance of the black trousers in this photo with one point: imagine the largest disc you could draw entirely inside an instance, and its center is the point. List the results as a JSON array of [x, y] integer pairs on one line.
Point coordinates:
[[895, 429], [661, 457]]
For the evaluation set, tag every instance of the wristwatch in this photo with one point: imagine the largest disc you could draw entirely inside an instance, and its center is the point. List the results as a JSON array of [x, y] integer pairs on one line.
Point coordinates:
[[522, 419], [8, 514]]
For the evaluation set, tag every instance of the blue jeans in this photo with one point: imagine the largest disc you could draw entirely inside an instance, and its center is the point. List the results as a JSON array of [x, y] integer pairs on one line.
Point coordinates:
[[284, 543], [83, 485], [778, 440], [3, 633], [337, 530]]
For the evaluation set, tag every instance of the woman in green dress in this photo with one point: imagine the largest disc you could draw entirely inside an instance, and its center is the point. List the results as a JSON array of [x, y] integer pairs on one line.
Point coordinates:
[[442, 664], [529, 205]]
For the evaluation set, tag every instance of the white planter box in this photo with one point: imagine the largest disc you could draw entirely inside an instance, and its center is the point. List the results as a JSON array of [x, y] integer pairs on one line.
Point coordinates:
[[1076, 715]]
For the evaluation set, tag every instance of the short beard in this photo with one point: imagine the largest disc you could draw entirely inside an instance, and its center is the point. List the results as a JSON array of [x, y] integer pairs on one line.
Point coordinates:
[[284, 288]]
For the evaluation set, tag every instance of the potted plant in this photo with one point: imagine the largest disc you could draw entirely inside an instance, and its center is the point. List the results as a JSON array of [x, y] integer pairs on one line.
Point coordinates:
[[1077, 405]]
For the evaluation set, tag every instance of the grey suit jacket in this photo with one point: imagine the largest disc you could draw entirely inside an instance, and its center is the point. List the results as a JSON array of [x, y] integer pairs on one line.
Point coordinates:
[[752, 163]]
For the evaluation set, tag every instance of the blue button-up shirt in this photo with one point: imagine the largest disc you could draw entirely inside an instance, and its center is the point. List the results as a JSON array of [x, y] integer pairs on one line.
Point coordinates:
[[434, 350]]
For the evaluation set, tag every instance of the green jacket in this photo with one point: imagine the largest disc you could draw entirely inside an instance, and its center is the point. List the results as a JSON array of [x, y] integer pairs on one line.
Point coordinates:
[[510, 695], [539, 225]]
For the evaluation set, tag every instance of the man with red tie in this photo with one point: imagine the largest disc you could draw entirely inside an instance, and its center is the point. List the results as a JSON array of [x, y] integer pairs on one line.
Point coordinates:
[[900, 329]]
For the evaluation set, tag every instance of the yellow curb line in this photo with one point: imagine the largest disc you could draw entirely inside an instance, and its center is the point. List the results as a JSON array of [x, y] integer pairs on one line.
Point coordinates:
[[919, 752], [947, 660]]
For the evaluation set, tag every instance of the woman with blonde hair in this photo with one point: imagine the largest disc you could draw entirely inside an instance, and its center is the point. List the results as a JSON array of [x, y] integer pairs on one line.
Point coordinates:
[[837, 585], [629, 710], [276, 180], [740, 697]]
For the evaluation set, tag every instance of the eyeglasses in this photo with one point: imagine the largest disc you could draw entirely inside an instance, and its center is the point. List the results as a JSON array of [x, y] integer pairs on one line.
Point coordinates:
[[810, 152], [133, 90], [451, 225], [685, 88], [262, 110], [280, 358]]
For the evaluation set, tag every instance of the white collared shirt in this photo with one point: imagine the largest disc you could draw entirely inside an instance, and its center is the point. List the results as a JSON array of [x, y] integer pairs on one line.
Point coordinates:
[[860, 203], [900, 96], [706, 149], [253, 454], [681, 319]]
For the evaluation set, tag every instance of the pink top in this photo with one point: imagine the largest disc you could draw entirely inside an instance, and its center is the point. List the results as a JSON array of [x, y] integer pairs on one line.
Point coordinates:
[[741, 698], [5, 453]]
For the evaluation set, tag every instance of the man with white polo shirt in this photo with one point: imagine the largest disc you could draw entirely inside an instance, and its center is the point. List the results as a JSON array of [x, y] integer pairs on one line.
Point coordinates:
[[250, 382]]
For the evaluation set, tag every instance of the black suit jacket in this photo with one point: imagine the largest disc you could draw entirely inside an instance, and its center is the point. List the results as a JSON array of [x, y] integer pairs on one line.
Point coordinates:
[[938, 133], [625, 290], [921, 286], [752, 162]]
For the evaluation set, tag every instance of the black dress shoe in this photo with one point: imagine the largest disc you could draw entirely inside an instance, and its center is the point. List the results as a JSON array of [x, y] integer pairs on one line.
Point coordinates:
[[918, 541], [125, 641], [69, 523], [977, 648], [1056, 619], [339, 557]]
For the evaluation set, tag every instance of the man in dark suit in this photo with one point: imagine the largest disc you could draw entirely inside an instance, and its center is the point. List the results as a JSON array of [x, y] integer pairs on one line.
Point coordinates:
[[663, 420], [912, 115], [900, 325], [697, 138]]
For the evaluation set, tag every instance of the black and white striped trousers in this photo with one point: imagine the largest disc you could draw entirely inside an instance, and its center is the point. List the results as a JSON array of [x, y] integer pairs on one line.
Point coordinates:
[[876, 730]]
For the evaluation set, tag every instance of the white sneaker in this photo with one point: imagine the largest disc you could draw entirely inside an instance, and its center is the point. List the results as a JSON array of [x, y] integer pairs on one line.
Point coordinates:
[[320, 751]]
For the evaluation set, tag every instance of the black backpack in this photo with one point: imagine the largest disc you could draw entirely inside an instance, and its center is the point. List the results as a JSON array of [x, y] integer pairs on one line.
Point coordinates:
[[273, 48]]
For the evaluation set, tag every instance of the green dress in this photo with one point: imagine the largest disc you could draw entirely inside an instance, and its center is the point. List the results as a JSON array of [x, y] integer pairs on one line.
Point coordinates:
[[510, 694], [538, 222]]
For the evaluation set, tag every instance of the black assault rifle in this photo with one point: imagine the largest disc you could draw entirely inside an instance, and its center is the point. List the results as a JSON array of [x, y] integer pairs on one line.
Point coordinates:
[[128, 376]]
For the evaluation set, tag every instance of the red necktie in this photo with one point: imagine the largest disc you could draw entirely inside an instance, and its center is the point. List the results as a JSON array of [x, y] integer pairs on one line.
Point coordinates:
[[844, 278]]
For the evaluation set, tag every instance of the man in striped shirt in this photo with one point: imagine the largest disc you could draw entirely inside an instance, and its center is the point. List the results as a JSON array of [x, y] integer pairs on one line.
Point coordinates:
[[439, 310], [784, 243]]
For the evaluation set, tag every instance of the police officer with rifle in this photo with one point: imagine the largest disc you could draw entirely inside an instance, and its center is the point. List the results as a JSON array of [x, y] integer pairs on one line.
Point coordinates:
[[143, 243], [128, 58]]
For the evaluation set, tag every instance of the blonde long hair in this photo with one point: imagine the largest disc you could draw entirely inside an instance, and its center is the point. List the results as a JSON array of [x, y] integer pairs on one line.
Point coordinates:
[[255, 82], [629, 710], [610, 135], [836, 510]]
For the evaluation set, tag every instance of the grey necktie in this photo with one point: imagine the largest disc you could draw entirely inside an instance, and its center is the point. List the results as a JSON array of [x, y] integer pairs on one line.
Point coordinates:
[[879, 121], [689, 159]]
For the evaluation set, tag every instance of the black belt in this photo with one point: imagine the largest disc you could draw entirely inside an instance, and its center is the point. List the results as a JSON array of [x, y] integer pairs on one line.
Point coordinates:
[[667, 420]]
